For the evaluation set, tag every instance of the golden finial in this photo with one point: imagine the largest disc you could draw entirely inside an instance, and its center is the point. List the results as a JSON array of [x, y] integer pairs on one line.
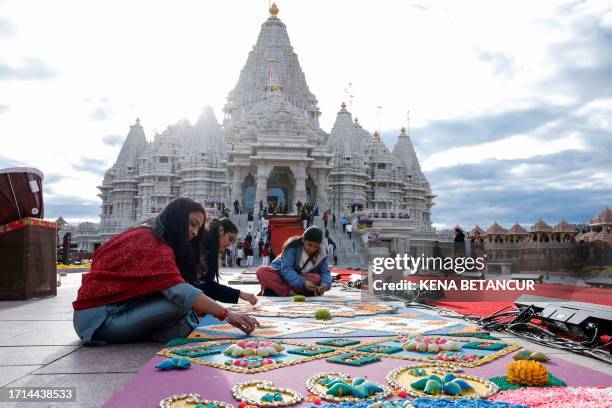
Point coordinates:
[[403, 130], [343, 105], [376, 135], [273, 9], [356, 119]]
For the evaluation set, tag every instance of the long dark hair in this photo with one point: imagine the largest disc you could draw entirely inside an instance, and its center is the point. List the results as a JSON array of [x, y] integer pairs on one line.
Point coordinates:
[[292, 243], [172, 226], [210, 244]]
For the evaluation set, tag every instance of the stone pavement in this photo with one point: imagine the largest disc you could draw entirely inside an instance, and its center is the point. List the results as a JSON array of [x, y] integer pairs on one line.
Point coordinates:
[[38, 347]]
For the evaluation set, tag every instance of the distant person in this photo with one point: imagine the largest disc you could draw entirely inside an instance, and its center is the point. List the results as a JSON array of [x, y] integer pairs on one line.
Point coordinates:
[[264, 234], [272, 254], [459, 243], [304, 218], [265, 252], [343, 222], [135, 290], [349, 230], [477, 247], [250, 221], [248, 252], [301, 267], [335, 254], [260, 245], [334, 220], [228, 258], [239, 254], [325, 219]]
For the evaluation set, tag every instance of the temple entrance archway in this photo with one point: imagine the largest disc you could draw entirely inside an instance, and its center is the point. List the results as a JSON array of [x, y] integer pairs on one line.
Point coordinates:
[[248, 192], [281, 183]]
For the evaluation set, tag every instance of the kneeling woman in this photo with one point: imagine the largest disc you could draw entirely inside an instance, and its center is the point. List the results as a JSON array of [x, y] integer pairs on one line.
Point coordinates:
[[300, 268], [221, 233], [135, 291]]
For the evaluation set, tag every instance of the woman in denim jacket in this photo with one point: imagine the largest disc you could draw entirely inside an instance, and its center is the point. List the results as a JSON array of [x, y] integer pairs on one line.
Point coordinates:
[[300, 268]]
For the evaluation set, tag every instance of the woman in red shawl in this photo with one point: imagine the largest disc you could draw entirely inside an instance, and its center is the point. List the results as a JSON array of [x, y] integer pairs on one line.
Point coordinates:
[[135, 291]]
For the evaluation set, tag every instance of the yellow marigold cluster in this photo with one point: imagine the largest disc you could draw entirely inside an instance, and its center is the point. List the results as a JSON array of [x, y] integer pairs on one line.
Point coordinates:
[[527, 372]]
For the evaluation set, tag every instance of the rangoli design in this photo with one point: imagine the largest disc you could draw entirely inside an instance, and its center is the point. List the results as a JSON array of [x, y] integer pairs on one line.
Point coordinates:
[[312, 350], [338, 342], [256, 356], [434, 349], [396, 325], [265, 394], [337, 330], [196, 351], [191, 401], [380, 349], [339, 387], [269, 328], [435, 382], [353, 359], [484, 345], [267, 308]]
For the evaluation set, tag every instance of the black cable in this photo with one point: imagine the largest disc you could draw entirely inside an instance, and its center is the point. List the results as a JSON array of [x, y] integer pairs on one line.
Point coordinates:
[[519, 325]]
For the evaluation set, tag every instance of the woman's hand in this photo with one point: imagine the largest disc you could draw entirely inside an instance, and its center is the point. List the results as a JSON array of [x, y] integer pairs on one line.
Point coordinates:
[[249, 297], [310, 287], [322, 289], [245, 323]]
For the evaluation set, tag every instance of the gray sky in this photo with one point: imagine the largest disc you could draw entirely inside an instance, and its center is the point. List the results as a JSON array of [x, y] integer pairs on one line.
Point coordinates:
[[510, 101]]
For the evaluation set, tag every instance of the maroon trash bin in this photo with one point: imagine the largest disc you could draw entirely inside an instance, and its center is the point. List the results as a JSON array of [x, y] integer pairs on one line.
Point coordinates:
[[21, 194]]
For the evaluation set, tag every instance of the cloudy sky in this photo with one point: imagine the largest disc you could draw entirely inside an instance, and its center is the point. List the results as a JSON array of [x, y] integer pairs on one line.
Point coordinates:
[[510, 101]]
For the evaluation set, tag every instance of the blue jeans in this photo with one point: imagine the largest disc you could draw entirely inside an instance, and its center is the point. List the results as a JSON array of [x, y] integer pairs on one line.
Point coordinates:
[[160, 316]]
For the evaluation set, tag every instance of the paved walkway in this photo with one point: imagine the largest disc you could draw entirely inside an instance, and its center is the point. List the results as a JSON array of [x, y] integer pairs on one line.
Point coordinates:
[[38, 347]]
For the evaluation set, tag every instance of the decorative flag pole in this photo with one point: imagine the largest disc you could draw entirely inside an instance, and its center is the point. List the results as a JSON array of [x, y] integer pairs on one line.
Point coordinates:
[[348, 91], [408, 122]]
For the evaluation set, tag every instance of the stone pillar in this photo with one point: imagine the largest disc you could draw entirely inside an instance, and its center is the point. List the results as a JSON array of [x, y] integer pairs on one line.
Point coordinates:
[[236, 188], [322, 190], [299, 173], [261, 188]]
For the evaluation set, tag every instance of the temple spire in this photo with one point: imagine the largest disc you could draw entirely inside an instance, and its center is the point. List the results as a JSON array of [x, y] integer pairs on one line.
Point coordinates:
[[272, 66], [273, 9]]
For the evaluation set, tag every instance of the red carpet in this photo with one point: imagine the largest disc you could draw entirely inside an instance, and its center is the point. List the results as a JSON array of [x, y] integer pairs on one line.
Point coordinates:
[[282, 228], [473, 308], [483, 303], [345, 275]]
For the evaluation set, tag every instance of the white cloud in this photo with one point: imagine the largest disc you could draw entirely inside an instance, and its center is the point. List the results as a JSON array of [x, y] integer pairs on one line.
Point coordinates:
[[163, 61], [511, 148]]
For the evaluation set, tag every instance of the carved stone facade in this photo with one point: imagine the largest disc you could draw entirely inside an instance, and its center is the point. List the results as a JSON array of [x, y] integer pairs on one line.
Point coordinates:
[[270, 148], [366, 172], [184, 160], [562, 247]]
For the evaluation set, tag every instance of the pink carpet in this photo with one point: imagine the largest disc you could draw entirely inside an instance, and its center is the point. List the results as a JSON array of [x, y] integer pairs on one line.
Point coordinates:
[[149, 386]]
